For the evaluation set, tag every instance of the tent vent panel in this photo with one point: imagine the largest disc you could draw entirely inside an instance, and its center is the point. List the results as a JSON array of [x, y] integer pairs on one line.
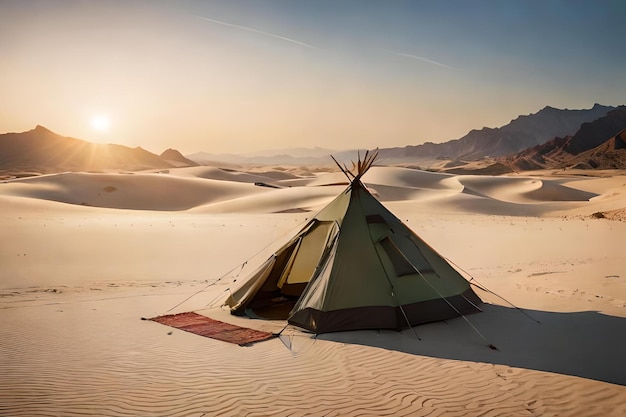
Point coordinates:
[[375, 219], [399, 261]]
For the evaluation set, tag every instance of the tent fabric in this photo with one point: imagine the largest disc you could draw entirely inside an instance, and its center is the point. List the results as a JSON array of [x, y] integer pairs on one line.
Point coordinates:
[[251, 285], [356, 266]]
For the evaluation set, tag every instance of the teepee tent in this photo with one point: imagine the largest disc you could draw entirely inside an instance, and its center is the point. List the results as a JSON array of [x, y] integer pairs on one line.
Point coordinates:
[[354, 265]]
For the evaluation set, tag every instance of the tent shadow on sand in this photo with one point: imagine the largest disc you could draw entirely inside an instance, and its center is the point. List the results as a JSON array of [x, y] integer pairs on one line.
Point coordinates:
[[355, 265], [586, 344]]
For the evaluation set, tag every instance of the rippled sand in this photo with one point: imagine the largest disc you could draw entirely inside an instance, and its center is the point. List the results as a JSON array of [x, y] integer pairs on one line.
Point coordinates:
[[85, 256]]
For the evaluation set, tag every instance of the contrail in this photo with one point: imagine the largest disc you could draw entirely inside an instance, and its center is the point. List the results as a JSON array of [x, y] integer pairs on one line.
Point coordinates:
[[419, 58], [273, 35]]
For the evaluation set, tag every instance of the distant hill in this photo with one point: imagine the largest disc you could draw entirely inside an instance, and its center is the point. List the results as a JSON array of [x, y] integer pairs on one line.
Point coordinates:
[[175, 158], [41, 151], [288, 156], [519, 134], [599, 144]]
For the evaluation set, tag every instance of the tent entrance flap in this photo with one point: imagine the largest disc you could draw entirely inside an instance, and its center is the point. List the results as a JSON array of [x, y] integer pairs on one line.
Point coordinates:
[[291, 272], [240, 297], [305, 259]]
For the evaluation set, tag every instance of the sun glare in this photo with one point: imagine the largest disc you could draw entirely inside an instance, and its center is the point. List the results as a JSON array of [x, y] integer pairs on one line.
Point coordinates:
[[100, 123]]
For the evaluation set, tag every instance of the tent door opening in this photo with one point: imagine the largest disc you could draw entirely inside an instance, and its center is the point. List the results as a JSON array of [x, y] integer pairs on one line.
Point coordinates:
[[295, 265]]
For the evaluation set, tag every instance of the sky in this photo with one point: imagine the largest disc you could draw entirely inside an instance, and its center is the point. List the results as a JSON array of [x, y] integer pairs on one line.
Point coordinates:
[[238, 76]]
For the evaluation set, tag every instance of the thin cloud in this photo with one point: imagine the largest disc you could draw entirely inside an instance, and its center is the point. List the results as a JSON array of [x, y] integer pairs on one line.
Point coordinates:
[[249, 29], [420, 58]]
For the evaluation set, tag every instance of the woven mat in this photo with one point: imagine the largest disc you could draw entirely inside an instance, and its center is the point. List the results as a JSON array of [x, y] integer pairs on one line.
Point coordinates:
[[204, 326]]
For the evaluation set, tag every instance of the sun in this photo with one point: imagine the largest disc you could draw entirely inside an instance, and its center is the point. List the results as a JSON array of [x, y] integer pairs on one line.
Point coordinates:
[[100, 123]]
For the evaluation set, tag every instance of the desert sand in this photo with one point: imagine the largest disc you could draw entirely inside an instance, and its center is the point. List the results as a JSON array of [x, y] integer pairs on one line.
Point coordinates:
[[84, 256]]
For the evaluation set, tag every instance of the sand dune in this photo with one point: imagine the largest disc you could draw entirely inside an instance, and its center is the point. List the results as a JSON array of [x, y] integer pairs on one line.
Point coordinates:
[[84, 256], [413, 178], [233, 175], [160, 192], [521, 190], [216, 190], [301, 199]]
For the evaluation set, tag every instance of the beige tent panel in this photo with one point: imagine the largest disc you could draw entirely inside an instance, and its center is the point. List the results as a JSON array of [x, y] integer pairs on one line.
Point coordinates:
[[336, 209], [307, 255], [315, 296], [252, 285]]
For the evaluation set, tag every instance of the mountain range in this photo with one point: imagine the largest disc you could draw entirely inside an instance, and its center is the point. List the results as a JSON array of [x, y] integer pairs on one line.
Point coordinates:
[[521, 133], [550, 138], [41, 151], [291, 156], [596, 145]]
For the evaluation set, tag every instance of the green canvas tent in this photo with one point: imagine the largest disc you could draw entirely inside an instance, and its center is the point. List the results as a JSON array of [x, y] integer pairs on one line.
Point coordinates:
[[354, 265]]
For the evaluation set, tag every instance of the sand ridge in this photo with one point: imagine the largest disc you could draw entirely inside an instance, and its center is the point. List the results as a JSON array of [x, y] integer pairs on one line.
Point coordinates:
[[231, 191]]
